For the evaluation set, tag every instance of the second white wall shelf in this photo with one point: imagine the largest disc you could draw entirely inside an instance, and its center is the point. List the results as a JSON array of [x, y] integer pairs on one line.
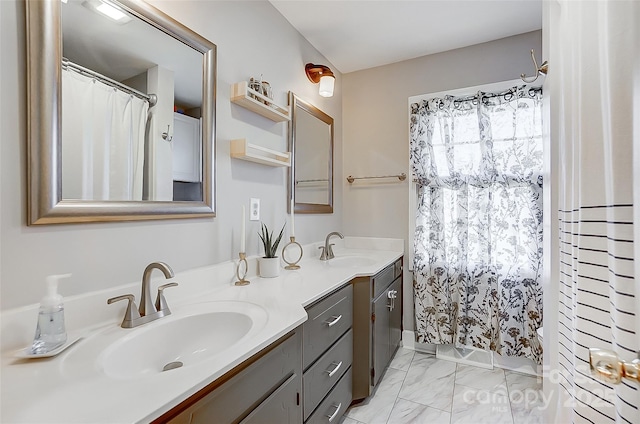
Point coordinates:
[[241, 149], [250, 99]]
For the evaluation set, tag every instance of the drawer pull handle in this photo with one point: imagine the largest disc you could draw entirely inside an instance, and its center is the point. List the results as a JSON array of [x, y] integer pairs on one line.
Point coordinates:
[[335, 414], [335, 370], [335, 320]]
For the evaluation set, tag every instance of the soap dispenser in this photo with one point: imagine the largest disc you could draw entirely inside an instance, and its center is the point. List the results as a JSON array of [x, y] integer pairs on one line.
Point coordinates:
[[50, 331]]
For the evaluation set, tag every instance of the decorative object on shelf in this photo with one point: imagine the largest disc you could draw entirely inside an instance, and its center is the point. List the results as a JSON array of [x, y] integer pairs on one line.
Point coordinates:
[[323, 75], [293, 264], [262, 87], [241, 149], [539, 70], [269, 263], [255, 85], [400, 177], [241, 275], [243, 256], [266, 90], [256, 101]]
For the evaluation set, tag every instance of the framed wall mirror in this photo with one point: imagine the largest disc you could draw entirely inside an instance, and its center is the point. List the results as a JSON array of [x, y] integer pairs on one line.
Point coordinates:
[[311, 144], [121, 114]]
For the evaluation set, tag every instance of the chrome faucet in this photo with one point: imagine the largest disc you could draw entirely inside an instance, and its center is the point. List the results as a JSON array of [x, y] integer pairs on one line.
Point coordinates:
[[327, 250], [148, 311], [146, 304]]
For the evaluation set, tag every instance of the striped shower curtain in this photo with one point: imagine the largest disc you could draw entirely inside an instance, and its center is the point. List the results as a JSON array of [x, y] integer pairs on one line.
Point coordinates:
[[594, 89]]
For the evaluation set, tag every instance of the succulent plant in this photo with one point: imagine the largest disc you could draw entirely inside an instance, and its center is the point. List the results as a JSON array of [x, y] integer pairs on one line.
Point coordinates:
[[270, 245]]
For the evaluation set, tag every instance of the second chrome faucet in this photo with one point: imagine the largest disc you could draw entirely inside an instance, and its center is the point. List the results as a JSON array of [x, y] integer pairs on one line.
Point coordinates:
[[148, 310], [327, 249]]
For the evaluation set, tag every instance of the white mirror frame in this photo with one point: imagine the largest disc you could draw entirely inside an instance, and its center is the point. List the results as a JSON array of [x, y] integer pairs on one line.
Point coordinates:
[[44, 165]]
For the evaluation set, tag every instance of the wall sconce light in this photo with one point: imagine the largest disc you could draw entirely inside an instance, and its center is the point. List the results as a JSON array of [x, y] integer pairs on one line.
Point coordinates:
[[323, 75]]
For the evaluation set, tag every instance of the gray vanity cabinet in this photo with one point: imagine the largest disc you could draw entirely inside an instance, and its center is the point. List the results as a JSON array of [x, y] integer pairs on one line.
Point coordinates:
[[265, 388], [377, 326], [327, 357], [386, 328]]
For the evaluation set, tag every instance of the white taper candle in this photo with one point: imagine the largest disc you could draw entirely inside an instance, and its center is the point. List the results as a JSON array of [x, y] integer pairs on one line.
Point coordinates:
[[242, 235], [293, 221]]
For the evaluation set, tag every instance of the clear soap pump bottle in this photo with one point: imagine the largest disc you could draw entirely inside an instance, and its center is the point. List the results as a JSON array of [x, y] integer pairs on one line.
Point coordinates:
[[50, 331]]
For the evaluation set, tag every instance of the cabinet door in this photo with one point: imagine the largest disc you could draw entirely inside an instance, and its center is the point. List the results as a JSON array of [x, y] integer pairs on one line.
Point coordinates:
[[395, 316], [186, 149], [380, 336], [260, 381], [281, 407]]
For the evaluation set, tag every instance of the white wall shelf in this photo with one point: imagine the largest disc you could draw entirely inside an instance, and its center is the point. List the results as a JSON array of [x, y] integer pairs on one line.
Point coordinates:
[[241, 95], [241, 149]]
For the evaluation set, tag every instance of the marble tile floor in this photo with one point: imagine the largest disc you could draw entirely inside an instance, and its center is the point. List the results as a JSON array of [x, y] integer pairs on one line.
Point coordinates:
[[418, 388]]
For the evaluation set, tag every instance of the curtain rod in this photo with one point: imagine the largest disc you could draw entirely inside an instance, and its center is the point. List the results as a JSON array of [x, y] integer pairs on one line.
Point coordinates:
[[473, 97], [67, 64]]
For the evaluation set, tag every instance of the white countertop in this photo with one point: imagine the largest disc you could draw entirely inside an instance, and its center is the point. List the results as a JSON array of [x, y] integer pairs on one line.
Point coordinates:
[[62, 389]]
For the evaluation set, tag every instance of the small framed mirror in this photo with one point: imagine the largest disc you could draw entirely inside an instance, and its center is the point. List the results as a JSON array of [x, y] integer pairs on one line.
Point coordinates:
[[121, 114], [311, 146]]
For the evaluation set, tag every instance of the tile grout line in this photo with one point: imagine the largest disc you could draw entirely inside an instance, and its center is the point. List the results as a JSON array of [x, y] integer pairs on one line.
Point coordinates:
[[453, 395], [415, 357], [506, 383], [450, 409], [401, 384]]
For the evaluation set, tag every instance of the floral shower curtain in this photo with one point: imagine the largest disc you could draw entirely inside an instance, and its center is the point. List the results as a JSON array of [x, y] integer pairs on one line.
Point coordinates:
[[478, 239]]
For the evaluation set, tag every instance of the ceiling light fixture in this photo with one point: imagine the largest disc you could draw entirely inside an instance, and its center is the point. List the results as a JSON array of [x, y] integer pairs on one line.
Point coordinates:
[[110, 11], [323, 75], [105, 8]]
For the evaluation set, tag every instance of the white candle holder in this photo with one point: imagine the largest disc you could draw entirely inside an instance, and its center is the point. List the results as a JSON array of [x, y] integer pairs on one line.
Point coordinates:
[[241, 279], [294, 264]]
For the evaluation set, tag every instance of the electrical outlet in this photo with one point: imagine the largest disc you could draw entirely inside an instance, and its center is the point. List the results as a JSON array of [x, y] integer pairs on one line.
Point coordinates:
[[254, 209]]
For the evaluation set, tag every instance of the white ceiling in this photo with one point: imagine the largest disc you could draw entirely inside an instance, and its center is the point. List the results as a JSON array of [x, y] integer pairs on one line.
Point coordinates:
[[360, 34]]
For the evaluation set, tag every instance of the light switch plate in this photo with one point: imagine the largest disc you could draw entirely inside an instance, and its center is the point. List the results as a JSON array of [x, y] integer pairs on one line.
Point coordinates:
[[254, 209]]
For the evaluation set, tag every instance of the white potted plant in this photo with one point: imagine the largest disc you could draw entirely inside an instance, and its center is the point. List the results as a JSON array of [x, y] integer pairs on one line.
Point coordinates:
[[270, 262]]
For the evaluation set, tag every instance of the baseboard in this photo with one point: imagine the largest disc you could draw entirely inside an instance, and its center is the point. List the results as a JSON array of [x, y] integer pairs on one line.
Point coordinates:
[[409, 342], [468, 356], [517, 364]]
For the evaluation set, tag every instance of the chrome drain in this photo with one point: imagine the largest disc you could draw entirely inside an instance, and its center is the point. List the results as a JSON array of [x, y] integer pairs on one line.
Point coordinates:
[[172, 365]]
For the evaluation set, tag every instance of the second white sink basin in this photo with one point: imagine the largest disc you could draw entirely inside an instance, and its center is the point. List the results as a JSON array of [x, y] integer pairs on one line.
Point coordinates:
[[350, 261], [186, 338]]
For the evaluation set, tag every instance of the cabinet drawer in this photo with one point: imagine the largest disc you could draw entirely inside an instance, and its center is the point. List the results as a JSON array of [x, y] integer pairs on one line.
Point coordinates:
[[335, 404], [382, 279], [242, 393], [325, 373], [397, 268], [328, 319]]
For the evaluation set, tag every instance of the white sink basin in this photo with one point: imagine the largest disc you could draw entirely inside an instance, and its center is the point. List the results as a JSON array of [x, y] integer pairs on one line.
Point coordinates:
[[350, 261], [183, 339]]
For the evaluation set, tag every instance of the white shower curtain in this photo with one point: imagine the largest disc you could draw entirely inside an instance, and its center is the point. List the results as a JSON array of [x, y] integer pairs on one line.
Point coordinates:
[[102, 140], [594, 71]]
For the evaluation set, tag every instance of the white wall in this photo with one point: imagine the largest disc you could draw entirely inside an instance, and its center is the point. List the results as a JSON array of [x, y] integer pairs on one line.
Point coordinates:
[[376, 128], [252, 39], [160, 173]]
